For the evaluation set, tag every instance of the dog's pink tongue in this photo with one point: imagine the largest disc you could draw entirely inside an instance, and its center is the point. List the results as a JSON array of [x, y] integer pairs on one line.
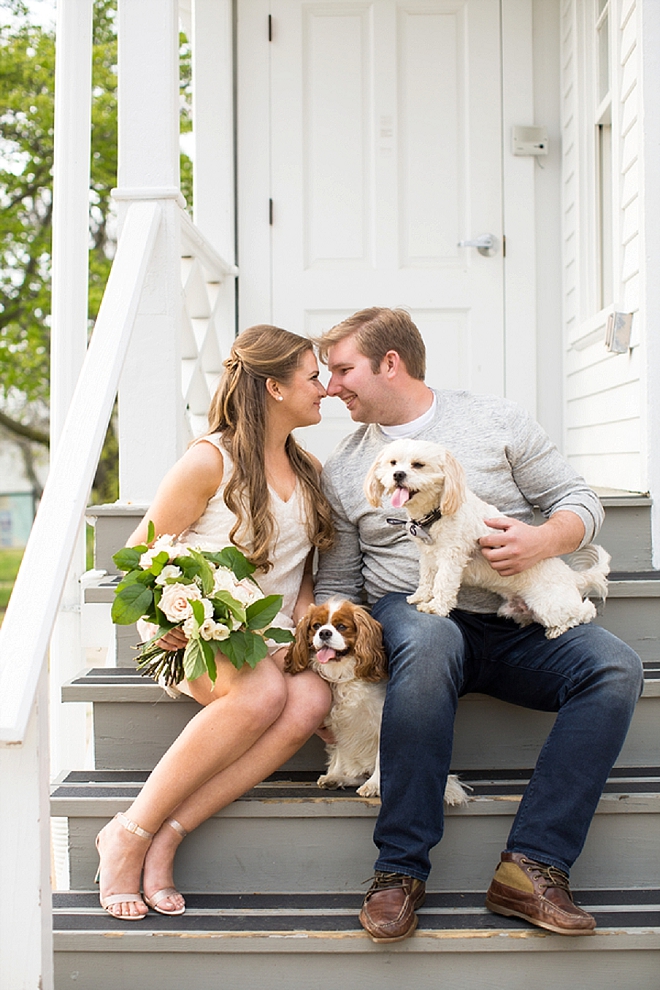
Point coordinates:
[[400, 497], [326, 653]]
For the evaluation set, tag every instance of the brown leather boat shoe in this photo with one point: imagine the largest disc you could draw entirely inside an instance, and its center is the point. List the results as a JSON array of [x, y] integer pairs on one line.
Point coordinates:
[[388, 911], [522, 888]]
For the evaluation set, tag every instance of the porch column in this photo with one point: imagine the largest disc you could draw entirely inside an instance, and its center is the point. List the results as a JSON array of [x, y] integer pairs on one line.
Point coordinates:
[[213, 132], [152, 430]]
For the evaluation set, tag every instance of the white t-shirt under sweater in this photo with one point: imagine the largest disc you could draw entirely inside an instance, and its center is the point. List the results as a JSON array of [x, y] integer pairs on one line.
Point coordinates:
[[292, 544]]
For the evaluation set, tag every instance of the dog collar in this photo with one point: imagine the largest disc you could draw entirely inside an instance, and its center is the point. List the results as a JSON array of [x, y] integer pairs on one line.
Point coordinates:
[[419, 527]]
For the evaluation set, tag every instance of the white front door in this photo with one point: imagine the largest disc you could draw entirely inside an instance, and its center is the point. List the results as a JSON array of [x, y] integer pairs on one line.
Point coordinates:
[[369, 145]]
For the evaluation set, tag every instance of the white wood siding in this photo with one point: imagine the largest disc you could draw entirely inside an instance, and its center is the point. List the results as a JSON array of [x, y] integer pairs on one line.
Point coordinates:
[[604, 394]]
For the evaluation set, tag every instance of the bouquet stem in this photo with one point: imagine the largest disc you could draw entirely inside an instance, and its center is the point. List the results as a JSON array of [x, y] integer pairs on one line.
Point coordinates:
[[165, 666]]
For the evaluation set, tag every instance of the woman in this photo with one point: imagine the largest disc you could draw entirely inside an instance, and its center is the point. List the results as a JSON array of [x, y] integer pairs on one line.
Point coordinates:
[[247, 481]]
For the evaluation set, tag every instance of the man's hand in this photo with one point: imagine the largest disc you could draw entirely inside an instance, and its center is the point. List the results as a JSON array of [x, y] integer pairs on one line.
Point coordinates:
[[516, 546]]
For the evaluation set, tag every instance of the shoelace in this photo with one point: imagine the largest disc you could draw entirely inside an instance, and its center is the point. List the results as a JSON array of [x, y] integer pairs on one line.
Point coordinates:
[[381, 881], [552, 876]]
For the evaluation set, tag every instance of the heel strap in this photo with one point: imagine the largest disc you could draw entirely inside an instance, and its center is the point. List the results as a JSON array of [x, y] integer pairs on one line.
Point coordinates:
[[133, 826], [178, 827]]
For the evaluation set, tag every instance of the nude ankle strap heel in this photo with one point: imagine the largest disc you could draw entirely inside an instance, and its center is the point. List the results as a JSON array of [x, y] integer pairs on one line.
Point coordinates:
[[133, 897], [177, 826], [133, 826]]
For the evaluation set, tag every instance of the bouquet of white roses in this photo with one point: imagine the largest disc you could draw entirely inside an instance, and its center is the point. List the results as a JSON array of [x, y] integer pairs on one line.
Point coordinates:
[[210, 595]]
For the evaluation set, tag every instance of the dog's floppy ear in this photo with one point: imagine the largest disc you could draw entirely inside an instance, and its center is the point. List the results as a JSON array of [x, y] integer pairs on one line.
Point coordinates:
[[453, 493], [370, 659], [373, 486], [297, 656]]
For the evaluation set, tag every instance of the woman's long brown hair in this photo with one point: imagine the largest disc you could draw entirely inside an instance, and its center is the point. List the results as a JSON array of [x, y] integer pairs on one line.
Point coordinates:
[[238, 412]]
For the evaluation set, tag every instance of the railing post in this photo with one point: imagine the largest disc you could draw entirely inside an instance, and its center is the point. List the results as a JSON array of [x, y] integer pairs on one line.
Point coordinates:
[[152, 428], [26, 938]]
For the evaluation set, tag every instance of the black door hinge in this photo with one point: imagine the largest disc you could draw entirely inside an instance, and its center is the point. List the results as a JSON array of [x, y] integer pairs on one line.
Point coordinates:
[[270, 27], [270, 212]]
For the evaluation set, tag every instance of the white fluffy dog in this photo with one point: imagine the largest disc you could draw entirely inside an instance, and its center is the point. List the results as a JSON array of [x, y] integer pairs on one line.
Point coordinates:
[[447, 520], [344, 645]]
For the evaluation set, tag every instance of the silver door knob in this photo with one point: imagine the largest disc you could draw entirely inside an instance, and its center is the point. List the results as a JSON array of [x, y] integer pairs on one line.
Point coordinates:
[[486, 244]]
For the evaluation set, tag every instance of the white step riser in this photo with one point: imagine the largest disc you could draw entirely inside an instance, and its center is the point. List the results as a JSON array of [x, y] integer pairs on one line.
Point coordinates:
[[488, 733], [315, 846], [281, 963]]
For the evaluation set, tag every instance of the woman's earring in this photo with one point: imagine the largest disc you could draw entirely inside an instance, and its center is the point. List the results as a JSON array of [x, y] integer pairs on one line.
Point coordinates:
[[280, 398]]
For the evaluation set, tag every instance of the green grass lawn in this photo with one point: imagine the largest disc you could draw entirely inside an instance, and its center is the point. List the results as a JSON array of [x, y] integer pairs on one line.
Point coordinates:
[[10, 560]]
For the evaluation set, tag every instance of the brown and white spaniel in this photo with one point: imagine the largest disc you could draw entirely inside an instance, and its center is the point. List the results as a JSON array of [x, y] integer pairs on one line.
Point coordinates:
[[344, 645]]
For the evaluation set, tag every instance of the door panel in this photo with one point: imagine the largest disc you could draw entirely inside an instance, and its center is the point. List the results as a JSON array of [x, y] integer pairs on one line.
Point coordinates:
[[383, 151]]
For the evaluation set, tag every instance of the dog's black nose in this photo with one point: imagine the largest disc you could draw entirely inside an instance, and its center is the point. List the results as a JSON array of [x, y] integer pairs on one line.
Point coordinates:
[[325, 633], [399, 476]]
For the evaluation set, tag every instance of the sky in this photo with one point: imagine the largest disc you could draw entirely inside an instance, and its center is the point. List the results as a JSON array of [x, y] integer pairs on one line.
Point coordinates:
[[42, 12]]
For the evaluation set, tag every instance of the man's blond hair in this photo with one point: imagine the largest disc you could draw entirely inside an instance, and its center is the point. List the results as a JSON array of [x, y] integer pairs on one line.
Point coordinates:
[[376, 331]]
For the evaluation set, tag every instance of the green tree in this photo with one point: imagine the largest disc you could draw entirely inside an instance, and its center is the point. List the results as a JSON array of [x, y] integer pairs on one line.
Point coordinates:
[[27, 74]]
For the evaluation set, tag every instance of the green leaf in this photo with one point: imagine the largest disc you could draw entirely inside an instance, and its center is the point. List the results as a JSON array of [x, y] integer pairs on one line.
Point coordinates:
[[159, 562], [194, 663], [127, 558], [131, 604], [244, 647], [260, 613], [233, 559], [235, 608], [146, 577], [209, 659], [129, 578], [198, 611], [205, 572], [151, 531], [279, 635], [189, 566]]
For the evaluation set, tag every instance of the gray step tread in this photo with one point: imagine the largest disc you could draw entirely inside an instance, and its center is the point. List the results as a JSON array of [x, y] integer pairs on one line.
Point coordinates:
[[453, 914], [644, 583], [118, 684], [83, 793]]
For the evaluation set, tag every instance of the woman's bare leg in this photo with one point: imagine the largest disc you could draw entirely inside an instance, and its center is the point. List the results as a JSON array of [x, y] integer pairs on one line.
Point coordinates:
[[308, 702], [240, 708]]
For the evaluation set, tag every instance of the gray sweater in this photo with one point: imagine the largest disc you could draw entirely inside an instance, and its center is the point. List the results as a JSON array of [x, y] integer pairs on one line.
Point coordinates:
[[509, 461]]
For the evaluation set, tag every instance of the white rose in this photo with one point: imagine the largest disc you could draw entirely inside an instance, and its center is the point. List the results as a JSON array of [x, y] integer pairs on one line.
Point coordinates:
[[245, 591], [224, 580], [213, 630], [162, 543], [175, 601], [168, 572]]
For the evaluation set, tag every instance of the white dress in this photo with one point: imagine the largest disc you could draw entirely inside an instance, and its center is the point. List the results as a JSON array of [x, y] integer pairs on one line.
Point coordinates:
[[292, 544]]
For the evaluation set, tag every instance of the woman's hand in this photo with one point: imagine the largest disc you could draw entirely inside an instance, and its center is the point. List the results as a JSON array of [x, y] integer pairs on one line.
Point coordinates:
[[175, 639], [326, 734]]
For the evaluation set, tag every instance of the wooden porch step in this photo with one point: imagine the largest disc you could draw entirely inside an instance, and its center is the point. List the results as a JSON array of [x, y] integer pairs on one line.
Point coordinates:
[[288, 834], [256, 940], [135, 722]]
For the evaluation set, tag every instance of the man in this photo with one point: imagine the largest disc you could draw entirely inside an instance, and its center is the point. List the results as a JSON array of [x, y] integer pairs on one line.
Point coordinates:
[[589, 677]]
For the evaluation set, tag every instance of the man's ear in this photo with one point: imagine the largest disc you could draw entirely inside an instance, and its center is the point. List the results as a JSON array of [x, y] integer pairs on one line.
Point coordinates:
[[390, 364]]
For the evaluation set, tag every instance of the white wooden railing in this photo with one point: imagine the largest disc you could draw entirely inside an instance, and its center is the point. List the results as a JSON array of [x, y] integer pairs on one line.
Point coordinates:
[[25, 905], [25, 902]]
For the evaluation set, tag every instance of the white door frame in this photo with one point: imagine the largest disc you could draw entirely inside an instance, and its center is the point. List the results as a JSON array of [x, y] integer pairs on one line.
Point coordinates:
[[518, 194]]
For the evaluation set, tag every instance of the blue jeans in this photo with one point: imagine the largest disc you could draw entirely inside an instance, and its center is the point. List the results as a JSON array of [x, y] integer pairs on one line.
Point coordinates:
[[587, 675]]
